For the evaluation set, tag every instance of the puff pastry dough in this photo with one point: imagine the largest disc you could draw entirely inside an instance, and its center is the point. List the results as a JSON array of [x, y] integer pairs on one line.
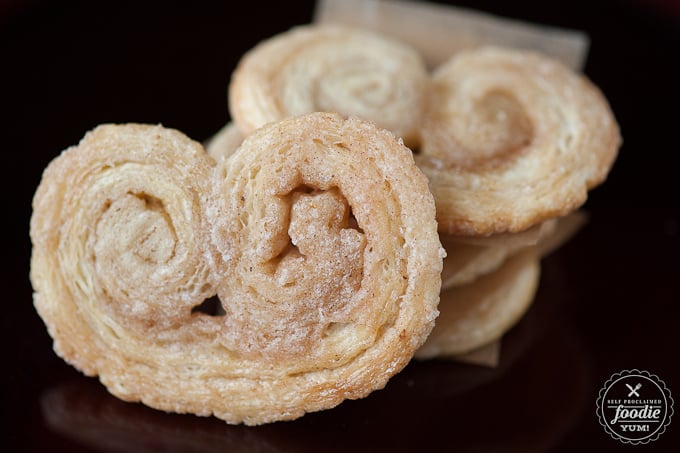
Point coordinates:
[[512, 138], [318, 235], [330, 68]]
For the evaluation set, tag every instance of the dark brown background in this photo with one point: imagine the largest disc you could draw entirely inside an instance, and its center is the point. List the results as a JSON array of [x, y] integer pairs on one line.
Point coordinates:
[[608, 300]]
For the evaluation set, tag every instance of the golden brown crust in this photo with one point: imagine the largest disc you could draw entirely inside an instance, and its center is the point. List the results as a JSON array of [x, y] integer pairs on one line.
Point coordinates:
[[512, 138], [318, 235], [334, 69]]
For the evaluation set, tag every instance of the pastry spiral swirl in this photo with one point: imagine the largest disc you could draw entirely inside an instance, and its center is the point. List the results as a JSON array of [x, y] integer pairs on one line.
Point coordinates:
[[318, 235], [512, 138], [330, 235], [118, 244], [334, 69]]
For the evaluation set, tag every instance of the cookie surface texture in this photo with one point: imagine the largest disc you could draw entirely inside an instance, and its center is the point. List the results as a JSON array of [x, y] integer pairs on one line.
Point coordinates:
[[330, 68], [512, 138]]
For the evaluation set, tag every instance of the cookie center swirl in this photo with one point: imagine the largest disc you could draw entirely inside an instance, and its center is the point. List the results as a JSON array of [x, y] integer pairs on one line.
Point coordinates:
[[143, 248], [145, 237], [146, 241], [352, 82], [304, 281], [148, 235], [361, 90], [484, 130], [322, 241]]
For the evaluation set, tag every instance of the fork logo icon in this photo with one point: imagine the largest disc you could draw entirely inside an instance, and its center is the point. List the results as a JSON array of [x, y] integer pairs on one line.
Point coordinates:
[[630, 415], [633, 391]]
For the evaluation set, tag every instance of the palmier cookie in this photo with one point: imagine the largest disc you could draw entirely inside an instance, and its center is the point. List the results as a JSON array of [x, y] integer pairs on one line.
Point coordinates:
[[466, 260], [512, 138], [330, 68], [480, 312], [487, 289], [318, 236]]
